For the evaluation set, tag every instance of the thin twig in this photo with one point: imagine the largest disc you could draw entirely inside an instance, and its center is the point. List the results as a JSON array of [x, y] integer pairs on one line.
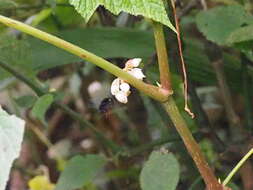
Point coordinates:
[[186, 107], [237, 167]]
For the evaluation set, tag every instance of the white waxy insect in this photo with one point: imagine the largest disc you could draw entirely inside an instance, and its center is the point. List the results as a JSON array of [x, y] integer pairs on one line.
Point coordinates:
[[137, 73], [133, 63], [121, 89], [115, 86], [125, 87], [121, 97]]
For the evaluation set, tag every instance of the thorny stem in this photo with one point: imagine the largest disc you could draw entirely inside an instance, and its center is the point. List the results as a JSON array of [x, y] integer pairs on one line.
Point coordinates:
[[152, 91], [77, 117], [162, 56]]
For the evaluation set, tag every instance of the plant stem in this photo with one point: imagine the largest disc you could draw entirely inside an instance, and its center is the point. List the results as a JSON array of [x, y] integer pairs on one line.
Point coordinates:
[[36, 87], [77, 117], [192, 146], [172, 110], [162, 56], [152, 91], [237, 167]]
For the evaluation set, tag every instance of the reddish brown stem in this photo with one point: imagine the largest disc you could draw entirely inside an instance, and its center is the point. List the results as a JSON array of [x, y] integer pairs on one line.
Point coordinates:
[[192, 146]]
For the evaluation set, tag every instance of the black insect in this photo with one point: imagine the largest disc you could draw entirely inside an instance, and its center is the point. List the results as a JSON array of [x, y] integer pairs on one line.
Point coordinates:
[[106, 105]]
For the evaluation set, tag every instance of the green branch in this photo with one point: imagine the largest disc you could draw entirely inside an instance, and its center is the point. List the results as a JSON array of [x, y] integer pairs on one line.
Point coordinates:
[[152, 91], [237, 167], [162, 56]]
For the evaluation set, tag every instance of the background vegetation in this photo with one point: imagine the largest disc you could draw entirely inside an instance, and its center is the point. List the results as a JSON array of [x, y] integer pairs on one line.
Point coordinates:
[[64, 150]]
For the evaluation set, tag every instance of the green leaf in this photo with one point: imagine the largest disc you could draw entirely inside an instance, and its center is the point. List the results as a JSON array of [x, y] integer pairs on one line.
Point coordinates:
[[218, 23], [161, 172], [67, 15], [52, 3], [80, 171], [153, 9], [15, 53], [41, 106], [11, 135], [104, 42], [26, 101], [4, 4], [241, 35]]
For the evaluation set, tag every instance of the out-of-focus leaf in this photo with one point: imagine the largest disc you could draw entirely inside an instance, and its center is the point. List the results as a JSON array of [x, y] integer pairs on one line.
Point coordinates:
[[208, 149], [155, 120], [153, 9], [26, 101], [40, 183], [4, 4], [161, 172], [200, 69], [11, 136], [241, 35], [41, 106], [67, 15], [218, 23], [52, 3], [105, 42], [15, 53], [80, 171]]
